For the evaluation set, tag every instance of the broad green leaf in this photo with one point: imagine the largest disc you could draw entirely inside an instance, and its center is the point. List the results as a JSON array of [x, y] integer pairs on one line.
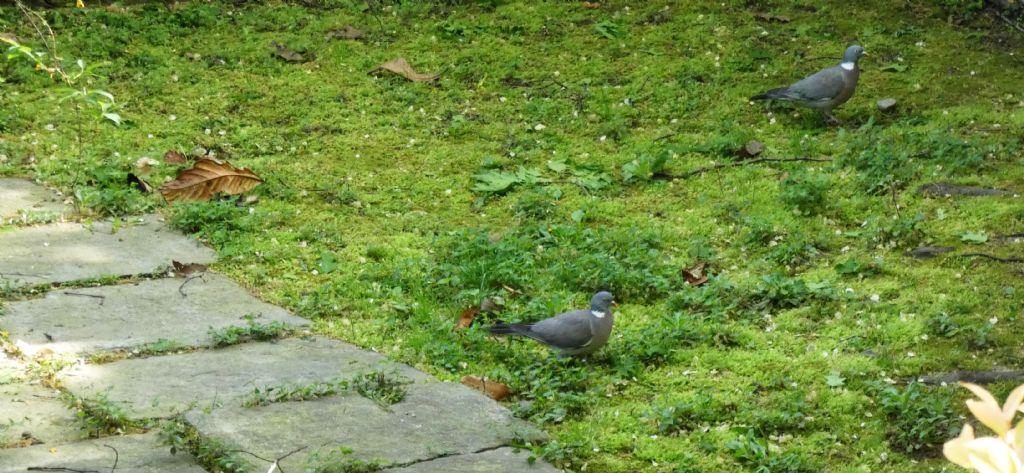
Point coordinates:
[[974, 237], [113, 117], [494, 182]]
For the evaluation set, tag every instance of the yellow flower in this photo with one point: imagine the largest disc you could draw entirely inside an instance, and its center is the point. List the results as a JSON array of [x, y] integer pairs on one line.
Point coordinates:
[[79, 4], [986, 409], [984, 455]]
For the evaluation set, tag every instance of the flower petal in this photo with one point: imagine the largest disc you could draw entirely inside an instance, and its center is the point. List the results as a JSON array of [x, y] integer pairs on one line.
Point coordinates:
[[1013, 402], [956, 449], [986, 409], [991, 455]]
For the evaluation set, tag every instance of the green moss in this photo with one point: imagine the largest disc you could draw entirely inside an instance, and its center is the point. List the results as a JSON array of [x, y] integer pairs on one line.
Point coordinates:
[[378, 173]]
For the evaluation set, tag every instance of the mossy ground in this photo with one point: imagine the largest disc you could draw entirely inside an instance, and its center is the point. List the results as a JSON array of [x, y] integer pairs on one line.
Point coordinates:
[[369, 225]]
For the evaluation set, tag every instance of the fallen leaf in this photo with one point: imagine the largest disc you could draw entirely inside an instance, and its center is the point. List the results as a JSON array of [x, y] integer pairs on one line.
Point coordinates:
[[185, 269], [466, 318], [193, 56], [401, 67], [492, 389], [592, 5], [138, 183], [695, 276], [208, 177], [174, 157], [751, 149], [347, 32], [287, 54], [145, 164], [771, 17], [491, 306]]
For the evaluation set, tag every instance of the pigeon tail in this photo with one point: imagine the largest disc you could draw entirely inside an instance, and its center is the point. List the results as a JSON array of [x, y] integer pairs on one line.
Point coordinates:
[[511, 329], [774, 94]]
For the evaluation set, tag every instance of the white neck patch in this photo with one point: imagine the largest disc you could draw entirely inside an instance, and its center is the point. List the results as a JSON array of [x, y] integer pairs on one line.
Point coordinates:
[[598, 314], [848, 66]]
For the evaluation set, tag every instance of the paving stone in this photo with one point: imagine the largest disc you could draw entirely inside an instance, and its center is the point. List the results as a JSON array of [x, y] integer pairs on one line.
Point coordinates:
[[163, 385], [502, 460], [129, 315], [22, 194], [33, 412], [435, 419], [135, 454], [70, 251]]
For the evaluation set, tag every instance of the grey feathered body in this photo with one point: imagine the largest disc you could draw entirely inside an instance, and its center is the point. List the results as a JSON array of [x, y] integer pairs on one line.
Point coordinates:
[[822, 91], [574, 333]]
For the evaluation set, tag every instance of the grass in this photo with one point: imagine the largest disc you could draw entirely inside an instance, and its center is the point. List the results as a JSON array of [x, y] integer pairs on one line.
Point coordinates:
[[535, 164]]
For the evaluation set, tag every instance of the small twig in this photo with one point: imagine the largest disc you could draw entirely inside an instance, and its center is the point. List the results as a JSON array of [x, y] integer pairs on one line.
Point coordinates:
[[116, 457], [187, 280], [102, 298], [995, 258], [1008, 21], [666, 136], [980, 377], [704, 169], [58, 468]]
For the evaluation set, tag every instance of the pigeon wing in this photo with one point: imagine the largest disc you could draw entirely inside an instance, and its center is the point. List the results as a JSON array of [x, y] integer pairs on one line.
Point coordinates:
[[568, 330], [823, 85]]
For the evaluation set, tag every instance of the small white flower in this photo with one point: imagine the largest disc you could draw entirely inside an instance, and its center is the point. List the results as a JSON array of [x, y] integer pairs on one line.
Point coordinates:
[[172, 117], [539, 127], [875, 298], [49, 127], [849, 290]]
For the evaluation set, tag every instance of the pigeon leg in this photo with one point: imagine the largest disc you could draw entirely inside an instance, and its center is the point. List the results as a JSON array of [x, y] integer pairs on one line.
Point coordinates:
[[831, 119]]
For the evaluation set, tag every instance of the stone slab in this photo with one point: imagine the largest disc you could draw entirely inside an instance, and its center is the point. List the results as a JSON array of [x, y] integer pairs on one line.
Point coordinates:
[[502, 460], [22, 194], [34, 413], [135, 454], [65, 252], [435, 419], [163, 385], [130, 315]]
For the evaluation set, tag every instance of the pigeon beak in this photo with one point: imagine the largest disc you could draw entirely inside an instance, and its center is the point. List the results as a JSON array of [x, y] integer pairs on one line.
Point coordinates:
[[615, 304]]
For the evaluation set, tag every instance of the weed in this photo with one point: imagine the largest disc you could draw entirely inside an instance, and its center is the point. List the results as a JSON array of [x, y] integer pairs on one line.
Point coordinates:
[[805, 193], [211, 453], [753, 451], [981, 336], [100, 417], [252, 331], [854, 267], [942, 325], [294, 392], [792, 252], [340, 460], [646, 167], [379, 387], [779, 291], [898, 231], [684, 416], [920, 418]]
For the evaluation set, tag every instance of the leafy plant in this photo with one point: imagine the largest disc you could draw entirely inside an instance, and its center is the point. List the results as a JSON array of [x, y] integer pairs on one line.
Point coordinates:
[[805, 193], [210, 452], [920, 418], [942, 325], [646, 167], [379, 387], [252, 331], [101, 417], [683, 415], [753, 451], [858, 268], [292, 392]]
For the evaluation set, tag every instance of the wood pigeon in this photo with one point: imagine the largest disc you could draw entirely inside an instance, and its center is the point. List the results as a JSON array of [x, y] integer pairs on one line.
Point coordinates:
[[579, 332], [825, 89]]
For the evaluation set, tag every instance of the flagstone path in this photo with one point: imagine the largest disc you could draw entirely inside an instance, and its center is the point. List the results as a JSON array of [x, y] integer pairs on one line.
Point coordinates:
[[149, 338]]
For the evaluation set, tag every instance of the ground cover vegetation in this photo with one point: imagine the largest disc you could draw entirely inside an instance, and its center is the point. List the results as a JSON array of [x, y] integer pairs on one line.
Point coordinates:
[[552, 158]]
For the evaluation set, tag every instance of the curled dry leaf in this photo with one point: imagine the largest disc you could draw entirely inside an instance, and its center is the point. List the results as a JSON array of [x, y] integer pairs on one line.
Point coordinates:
[[347, 32], [174, 157], [138, 183], [492, 389], [145, 164], [185, 269], [287, 54], [592, 5], [208, 177], [695, 276], [466, 318], [401, 67]]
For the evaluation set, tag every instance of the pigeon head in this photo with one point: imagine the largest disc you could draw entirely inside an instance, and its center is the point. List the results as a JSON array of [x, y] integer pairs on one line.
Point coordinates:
[[602, 302], [853, 53]]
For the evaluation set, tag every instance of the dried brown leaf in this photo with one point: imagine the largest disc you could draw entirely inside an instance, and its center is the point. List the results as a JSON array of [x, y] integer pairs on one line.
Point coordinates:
[[492, 389], [346, 32], [466, 318], [174, 157], [592, 5], [208, 177], [695, 276], [287, 54], [185, 269], [401, 67]]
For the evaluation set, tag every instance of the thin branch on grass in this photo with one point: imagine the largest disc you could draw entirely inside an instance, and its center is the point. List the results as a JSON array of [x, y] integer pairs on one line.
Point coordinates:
[[995, 258], [705, 169], [979, 377], [275, 464], [102, 298]]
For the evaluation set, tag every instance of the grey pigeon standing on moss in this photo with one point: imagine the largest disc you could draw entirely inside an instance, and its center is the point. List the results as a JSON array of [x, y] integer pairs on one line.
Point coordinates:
[[825, 89], [580, 332]]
